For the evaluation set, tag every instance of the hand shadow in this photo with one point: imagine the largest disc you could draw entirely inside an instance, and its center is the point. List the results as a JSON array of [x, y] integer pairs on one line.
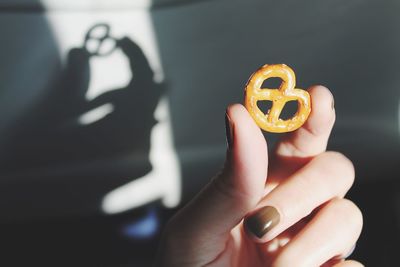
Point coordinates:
[[51, 135], [59, 165]]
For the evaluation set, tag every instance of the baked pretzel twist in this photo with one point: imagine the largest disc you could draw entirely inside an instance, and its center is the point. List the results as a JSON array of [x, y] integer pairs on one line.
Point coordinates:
[[270, 121]]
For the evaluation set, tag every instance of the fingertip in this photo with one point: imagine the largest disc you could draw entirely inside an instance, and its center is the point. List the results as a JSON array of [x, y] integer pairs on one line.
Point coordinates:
[[250, 235], [311, 139], [237, 112], [245, 128], [259, 222], [322, 114]]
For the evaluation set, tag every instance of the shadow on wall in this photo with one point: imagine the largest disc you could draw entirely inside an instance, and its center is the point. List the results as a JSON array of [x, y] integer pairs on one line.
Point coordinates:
[[66, 128], [61, 152], [65, 138]]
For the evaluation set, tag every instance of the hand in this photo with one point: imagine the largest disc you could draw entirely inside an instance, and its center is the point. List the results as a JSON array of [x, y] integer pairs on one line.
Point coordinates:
[[290, 212]]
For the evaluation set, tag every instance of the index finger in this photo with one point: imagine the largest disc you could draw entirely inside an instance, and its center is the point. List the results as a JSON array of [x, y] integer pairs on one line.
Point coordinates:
[[298, 147]]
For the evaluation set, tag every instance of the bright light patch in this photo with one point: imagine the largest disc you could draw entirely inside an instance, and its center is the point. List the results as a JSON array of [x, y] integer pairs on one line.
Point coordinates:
[[283, 241], [277, 243], [95, 114], [104, 78], [273, 245], [95, 4], [163, 182]]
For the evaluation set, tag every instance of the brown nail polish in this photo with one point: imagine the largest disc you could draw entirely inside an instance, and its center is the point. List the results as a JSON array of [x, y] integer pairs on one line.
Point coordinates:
[[228, 129], [262, 221], [333, 104]]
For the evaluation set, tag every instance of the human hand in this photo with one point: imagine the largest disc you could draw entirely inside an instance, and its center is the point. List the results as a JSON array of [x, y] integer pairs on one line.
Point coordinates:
[[284, 209]]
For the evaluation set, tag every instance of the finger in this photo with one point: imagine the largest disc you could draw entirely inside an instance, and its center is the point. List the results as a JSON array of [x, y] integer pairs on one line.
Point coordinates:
[[332, 232], [349, 264], [339, 258], [222, 204], [295, 198], [311, 139], [295, 148]]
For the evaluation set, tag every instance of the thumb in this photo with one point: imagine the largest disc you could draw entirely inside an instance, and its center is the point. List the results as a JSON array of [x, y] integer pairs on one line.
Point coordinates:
[[222, 204]]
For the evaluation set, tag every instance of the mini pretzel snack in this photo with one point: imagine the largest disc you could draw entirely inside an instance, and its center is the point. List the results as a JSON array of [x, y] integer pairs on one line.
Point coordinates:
[[270, 121]]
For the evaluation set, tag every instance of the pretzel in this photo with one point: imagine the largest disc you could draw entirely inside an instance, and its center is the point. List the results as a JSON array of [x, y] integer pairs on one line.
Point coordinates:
[[270, 121]]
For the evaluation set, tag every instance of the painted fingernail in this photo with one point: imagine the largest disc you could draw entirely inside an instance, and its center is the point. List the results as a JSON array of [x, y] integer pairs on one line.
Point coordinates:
[[229, 130], [262, 221]]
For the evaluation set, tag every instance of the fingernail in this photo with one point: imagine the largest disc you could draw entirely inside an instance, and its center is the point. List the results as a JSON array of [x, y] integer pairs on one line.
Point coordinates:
[[262, 221], [228, 129]]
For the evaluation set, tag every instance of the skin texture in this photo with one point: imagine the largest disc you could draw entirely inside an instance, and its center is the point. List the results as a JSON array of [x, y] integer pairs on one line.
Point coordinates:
[[312, 223]]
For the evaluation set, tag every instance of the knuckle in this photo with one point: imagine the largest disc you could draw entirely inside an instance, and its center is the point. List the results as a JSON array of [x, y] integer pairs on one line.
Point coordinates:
[[224, 187], [229, 191], [348, 211], [336, 162]]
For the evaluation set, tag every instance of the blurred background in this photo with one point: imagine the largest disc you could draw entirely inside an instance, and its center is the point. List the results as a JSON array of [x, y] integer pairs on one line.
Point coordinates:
[[112, 114]]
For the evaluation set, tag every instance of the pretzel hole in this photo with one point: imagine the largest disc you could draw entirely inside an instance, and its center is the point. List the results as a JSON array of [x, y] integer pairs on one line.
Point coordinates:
[[106, 46], [264, 106], [93, 45], [99, 31], [272, 83], [289, 110]]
